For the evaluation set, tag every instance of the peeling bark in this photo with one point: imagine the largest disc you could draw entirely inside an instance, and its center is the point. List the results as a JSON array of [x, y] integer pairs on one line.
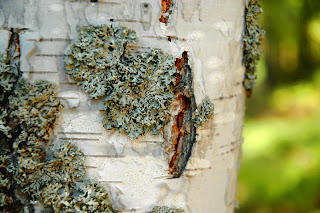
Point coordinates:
[[183, 133], [166, 10]]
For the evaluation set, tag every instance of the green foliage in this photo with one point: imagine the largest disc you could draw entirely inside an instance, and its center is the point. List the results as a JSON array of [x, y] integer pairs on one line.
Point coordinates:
[[137, 89], [292, 47], [203, 112], [252, 41], [292, 154], [280, 165], [165, 209]]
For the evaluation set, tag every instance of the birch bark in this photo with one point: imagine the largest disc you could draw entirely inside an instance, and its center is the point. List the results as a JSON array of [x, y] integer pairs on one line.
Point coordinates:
[[136, 171]]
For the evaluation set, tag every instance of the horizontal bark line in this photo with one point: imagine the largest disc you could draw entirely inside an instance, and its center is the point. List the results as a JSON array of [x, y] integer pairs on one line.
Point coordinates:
[[227, 97], [68, 39], [51, 55], [105, 156], [68, 97], [225, 149], [83, 139], [82, 133], [40, 72]]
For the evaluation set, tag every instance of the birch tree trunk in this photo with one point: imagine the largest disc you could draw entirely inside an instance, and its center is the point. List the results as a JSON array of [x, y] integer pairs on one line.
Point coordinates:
[[135, 172]]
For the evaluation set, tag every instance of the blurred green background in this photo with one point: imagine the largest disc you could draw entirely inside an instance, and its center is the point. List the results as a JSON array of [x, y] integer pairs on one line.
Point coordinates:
[[280, 169]]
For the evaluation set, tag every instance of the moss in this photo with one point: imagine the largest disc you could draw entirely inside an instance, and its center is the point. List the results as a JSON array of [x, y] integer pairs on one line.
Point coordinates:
[[203, 112], [252, 42], [137, 88], [165, 209]]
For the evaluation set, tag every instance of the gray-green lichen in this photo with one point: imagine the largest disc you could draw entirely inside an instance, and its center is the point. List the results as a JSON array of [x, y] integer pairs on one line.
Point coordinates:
[[94, 58], [55, 182], [7, 76], [137, 88], [165, 209], [252, 42], [3, 124], [32, 170], [7, 79], [9, 202], [203, 112], [35, 107], [5, 182], [49, 176]]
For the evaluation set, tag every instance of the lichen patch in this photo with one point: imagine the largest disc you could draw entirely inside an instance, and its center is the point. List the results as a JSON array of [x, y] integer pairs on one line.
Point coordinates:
[[165, 209], [136, 89], [32, 170], [203, 112], [252, 41], [141, 92]]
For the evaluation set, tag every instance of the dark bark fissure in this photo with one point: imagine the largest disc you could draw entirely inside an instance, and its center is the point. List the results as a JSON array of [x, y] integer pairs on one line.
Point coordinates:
[[183, 132]]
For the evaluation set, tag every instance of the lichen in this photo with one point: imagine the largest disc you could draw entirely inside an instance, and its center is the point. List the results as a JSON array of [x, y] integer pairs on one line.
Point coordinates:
[[252, 42], [5, 182], [94, 58], [3, 123], [203, 112], [165, 209], [137, 88], [49, 176], [35, 107], [139, 91], [33, 170], [7, 79], [7, 76], [93, 198], [55, 182]]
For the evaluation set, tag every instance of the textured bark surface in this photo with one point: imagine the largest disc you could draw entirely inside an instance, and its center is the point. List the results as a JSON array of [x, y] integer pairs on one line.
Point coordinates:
[[182, 136], [137, 172]]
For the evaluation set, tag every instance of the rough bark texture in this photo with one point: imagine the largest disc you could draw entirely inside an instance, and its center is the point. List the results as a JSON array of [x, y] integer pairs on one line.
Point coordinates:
[[182, 136], [136, 172]]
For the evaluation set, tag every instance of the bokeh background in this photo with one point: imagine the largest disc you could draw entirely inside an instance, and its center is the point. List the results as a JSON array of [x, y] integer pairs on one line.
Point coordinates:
[[280, 169]]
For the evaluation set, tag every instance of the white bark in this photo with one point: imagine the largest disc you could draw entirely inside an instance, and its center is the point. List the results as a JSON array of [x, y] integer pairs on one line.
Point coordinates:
[[136, 172]]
